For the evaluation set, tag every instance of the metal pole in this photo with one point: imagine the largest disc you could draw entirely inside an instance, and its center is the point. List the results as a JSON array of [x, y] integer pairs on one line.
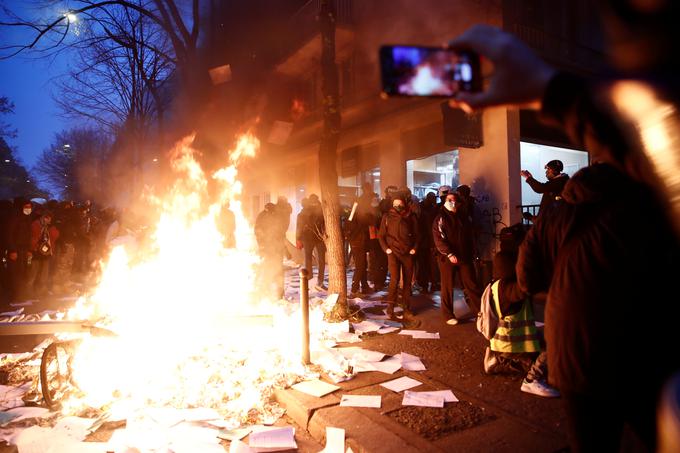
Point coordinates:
[[304, 310]]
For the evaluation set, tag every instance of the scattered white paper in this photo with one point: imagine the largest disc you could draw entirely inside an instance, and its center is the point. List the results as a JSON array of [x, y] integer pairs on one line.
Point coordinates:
[[335, 440], [385, 330], [30, 412], [411, 362], [6, 417], [422, 399], [239, 447], [360, 354], [316, 388], [272, 437], [426, 335], [401, 384], [448, 395], [12, 313], [360, 401], [75, 427], [233, 434], [539, 324], [22, 304]]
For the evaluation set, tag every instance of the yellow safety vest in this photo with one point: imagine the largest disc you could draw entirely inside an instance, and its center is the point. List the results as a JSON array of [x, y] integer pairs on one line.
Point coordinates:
[[516, 332]]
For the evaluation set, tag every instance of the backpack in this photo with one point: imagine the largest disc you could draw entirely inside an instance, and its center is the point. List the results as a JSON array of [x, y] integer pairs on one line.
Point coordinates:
[[487, 319], [44, 244]]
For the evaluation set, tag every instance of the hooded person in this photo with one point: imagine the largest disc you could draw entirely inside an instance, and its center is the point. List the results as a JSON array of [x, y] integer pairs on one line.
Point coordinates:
[[270, 238], [309, 236], [453, 238], [398, 238]]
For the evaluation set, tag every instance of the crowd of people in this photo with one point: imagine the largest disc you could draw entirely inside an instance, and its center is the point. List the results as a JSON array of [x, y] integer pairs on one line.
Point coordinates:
[[48, 247]]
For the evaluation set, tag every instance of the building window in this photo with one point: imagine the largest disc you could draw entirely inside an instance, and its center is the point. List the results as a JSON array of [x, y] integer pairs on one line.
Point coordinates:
[[429, 173], [350, 187]]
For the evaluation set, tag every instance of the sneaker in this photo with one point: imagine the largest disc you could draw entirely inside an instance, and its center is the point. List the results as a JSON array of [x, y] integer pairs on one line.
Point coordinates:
[[452, 322], [320, 287], [539, 388], [490, 361]]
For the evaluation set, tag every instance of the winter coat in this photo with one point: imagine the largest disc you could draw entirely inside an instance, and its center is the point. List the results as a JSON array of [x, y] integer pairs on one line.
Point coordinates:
[[19, 233], [398, 232], [452, 234], [610, 316], [428, 212], [551, 190], [36, 235], [310, 225], [269, 233]]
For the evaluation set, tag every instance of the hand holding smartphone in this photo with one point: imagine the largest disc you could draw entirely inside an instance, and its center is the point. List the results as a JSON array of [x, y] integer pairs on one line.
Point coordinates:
[[428, 71]]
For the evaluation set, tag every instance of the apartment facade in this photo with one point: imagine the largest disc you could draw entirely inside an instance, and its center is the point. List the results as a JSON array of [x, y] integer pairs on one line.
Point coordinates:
[[418, 143]]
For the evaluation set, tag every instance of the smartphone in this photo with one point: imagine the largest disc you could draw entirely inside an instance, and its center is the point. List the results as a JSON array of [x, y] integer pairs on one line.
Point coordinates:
[[428, 71]]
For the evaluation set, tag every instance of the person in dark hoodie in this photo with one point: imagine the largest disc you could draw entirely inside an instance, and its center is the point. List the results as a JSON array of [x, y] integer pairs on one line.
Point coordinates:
[[606, 356], [453, 238], [309, 235], [398, 237], [19, 253]]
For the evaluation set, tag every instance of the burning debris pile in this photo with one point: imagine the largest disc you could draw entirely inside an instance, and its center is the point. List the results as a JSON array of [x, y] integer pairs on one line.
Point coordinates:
[[190, 327]]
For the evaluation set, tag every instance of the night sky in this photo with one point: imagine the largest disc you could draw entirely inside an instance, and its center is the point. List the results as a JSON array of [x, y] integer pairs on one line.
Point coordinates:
[[27, 81]]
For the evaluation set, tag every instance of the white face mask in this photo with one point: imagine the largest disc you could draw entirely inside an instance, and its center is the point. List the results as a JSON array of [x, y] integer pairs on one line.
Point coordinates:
[[27, 211], [450, 205]]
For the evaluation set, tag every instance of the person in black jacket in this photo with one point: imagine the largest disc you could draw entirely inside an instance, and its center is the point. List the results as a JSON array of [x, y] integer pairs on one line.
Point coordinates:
[[270, 237], [606, 262], [19, 253], [357, 232], [453, 238], [551, 189], [398, 237], [309, 235]]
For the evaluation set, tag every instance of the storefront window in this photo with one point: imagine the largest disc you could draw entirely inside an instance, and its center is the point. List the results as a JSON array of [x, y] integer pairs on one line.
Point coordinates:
[[350, 187], [429, 173], [533, 158]]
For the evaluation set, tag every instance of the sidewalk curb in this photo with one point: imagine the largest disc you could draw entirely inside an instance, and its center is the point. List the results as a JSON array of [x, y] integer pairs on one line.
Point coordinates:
[[366, 430]]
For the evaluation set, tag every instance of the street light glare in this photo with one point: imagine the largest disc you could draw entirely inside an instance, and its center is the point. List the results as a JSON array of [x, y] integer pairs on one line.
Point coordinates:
[[6, 161]]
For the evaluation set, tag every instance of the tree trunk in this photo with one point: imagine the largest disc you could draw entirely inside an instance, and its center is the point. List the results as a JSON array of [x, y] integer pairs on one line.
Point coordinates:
[[328, 175]]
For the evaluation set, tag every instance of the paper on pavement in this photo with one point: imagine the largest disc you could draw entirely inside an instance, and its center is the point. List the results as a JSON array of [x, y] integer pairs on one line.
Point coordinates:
[[30, 412], [448, 395], [316, 388], [360, 401], [233, 434], [335, 440], [367, 326], [385, 330], [426, 335], [401, 384], [272, 438], [239, 447], [388, 366], [76, 427], [361, 354], [422, 399], [411, 362]]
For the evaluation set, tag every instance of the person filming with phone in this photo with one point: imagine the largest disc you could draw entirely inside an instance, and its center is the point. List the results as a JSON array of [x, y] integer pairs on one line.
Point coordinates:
[[609, 364]]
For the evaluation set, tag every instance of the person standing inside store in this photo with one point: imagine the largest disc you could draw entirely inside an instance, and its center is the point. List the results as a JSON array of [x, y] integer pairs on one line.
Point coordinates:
[[551, 189], [453, 239]]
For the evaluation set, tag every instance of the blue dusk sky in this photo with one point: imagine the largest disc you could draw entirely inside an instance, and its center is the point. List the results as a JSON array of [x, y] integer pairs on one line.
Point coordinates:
[[27, 81]]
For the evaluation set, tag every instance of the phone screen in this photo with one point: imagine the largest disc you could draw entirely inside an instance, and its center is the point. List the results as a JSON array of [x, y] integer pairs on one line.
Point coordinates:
[[428, 71]]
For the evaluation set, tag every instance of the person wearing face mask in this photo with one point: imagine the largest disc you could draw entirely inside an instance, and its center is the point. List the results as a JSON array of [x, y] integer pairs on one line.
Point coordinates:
[[428, 275], [377, 259], [453, 239], [44, 237], [398, 237], [19, 249], [551, 189]]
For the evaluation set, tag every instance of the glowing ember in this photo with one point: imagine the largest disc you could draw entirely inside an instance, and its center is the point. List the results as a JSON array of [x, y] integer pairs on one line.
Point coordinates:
[[191, 328]]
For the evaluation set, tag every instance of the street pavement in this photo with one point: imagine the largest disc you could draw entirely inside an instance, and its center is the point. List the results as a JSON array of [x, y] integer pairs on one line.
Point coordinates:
[[492, 414]]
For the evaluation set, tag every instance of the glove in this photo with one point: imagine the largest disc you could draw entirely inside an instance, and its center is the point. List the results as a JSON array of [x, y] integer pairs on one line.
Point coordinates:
[[298, 245], [388, 251], [412, 252]]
